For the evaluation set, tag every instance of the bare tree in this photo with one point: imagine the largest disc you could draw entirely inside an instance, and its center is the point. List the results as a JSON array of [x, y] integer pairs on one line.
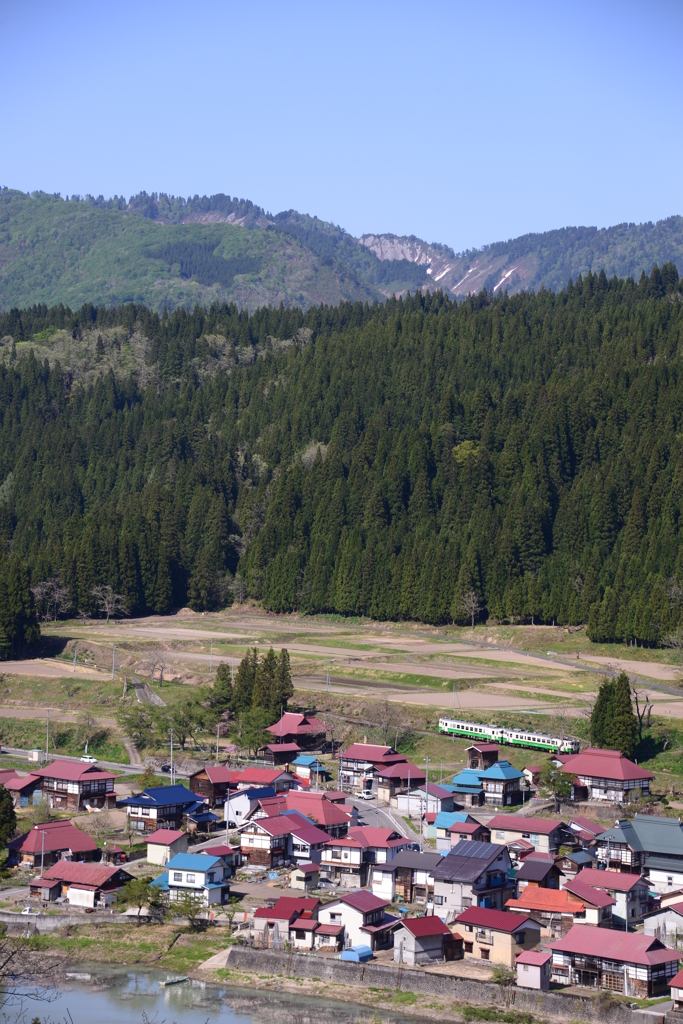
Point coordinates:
[[26, 973], [385, 719], [469, 604], [53, 598], [303, 584], [643, 715], [109, 602]]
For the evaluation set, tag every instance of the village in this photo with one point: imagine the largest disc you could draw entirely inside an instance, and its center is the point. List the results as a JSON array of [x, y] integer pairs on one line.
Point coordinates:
[[359, 855]]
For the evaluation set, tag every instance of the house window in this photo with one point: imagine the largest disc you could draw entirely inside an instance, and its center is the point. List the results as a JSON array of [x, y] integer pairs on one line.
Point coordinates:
[[534, 837], [500, 835], [484, 954], [438, 901], [519, 938], [525, 967], [300, 933], [669, 880], [190, 879], [177, 876], [144, 810], [335, 918], [468, 947], [468, 927]]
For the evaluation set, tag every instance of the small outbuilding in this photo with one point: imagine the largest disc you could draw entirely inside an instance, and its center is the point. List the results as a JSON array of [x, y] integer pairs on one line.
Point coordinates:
[[533, 969], [358, 954], [421, 939], [676, 986], [164, 844], [305, 876]]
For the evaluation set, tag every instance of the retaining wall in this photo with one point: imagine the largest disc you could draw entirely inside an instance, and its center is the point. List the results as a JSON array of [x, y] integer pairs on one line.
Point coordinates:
[[425, 982]]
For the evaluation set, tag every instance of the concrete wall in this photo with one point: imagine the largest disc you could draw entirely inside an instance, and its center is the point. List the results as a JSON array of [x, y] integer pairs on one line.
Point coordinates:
[[428, 982]]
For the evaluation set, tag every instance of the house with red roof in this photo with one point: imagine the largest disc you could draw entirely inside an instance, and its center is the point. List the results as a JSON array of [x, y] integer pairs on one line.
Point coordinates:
[[360, 763], [214, 782], [398, 778], [630, 892], [164, 843], [272, 924], [627, 962], [556, 910], [83, 885], [346, 860], [274, 841], [50, 842], [481, 756], [604, 775], [497, 935], [582, 832], [545, 834], [332, 817], [533, 969], [73, 786], [418, 940], [305, 730], [363, 917], [676, 986]]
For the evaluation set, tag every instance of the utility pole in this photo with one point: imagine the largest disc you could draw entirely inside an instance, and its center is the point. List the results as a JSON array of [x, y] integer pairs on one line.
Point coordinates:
[[75, 652], [218, 732], [227, 817], [172, 771], [47, 736], [42, 852]]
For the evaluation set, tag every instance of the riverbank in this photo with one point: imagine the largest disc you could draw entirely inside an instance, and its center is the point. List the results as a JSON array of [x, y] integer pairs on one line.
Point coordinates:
[[383, 988]]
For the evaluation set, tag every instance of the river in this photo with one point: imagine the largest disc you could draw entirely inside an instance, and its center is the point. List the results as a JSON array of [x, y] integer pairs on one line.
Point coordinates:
[[98, 994]]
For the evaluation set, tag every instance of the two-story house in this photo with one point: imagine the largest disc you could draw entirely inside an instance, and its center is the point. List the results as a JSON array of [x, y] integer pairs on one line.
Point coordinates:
[[545, 834], [604, 775], [272, 924], [160, 807], [359, 764], [73, 786], [496, 935], [501, 784], [557, 910], [472, 874], [630, 893], [267, 841], [346, 860], [196, 873], [410, 874], [650, 845], [364, 919]]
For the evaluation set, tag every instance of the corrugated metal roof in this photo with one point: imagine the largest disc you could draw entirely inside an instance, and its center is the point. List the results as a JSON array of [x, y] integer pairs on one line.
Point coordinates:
[[535, 869], [589, 894], [360, 900], [533, 957], [497, 920], [421, 927], [165, 836], [72, 771], [518, 823], [191, 862], [610, 944], [604, 764], [620, 881], [71, 871], [59, 835]]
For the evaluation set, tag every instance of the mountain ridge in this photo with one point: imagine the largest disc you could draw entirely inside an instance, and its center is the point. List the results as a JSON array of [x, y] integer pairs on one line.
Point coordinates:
[[165, 251]]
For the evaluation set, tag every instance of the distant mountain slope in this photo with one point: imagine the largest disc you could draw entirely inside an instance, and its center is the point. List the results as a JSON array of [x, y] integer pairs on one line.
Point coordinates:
[[166, 251]]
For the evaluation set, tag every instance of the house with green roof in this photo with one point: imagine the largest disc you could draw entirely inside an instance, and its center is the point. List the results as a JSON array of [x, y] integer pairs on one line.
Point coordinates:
[[650, 845]]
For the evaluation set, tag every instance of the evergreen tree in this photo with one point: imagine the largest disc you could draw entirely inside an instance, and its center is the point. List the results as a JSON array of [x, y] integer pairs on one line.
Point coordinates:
[[222, 697], [623, 726], [245, 678], [8, 818], [602, 714], [284, 688], [264, 694]]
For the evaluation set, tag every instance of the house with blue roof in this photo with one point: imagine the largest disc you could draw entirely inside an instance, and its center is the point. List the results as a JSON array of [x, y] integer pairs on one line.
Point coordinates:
[[161, 807], [306, 766], [502, 784], [452, 827], [498, 785], [198, 873]]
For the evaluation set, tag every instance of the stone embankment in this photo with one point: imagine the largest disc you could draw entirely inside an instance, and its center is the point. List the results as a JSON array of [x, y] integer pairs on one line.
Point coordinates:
[[567, 1006]]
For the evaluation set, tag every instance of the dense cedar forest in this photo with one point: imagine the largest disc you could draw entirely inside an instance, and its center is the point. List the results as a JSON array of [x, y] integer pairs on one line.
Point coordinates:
[[379, 460]]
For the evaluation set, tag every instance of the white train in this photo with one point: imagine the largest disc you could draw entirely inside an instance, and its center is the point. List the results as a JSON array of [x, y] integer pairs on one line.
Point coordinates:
[[510, 737]]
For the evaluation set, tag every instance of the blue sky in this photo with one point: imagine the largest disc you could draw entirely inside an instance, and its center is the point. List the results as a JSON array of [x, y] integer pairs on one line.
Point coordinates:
[[464, 123]]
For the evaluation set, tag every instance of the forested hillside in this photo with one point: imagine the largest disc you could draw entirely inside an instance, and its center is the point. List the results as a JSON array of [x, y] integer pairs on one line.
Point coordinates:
[[164, 251], [384, 460]]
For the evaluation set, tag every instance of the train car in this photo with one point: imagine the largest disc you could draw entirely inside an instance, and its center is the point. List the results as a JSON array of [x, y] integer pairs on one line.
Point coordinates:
[[540, 741], [471, 730], [511, 737]]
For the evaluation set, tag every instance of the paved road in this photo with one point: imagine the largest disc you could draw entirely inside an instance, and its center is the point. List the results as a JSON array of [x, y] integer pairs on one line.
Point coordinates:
[[128, 769]]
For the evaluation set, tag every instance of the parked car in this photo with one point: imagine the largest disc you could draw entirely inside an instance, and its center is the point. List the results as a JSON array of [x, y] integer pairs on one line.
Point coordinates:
[[366, 794], [30, 912], [166, 768], [89, 759]]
